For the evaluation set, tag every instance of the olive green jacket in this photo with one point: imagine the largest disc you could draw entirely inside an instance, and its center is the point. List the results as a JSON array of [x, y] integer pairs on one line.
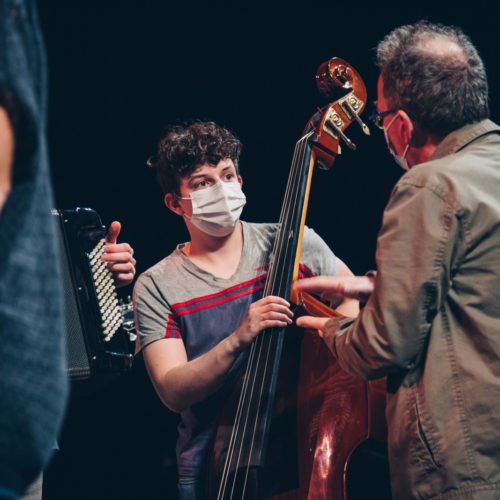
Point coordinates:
[[432, 324]]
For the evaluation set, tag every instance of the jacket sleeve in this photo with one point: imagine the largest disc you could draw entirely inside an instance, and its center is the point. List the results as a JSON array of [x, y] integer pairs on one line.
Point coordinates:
[[414, 249]]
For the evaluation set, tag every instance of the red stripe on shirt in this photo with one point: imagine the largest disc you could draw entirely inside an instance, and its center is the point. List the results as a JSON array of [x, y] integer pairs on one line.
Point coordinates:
[[261, 268], [170, 326], [221, 301], [218, 294], [304, 272], [307, 272]]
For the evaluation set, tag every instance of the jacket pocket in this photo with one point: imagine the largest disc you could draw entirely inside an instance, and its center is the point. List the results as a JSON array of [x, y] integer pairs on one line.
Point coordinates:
[[424, 438]]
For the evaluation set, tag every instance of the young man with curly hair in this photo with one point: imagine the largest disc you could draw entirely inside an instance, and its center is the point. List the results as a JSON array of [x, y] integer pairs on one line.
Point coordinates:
[[199, 309]]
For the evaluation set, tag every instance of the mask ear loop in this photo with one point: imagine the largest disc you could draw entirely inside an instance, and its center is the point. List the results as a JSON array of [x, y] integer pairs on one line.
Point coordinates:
[[391, 146], [390, 123], [406, 151], [183, 198]]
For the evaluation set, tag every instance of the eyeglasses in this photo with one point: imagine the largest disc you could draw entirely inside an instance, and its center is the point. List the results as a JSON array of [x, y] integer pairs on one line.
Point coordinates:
[[378, 117]]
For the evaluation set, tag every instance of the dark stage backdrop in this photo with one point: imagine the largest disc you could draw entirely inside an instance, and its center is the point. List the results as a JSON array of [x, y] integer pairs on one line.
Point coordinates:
[[120, 72]]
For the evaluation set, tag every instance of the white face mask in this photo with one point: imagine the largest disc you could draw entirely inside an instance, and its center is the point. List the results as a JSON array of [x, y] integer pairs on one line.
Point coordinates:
[[217, 209], [400, 160]]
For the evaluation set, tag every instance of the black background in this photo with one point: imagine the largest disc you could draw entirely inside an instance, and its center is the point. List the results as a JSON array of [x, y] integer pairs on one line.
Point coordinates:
[[120, 72]]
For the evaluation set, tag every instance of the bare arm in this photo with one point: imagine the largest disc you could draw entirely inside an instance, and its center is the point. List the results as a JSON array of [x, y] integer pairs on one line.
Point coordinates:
[[181, 383], [6, 156]]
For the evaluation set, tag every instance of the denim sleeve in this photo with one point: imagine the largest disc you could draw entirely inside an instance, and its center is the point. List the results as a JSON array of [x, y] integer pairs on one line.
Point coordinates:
[[33, 382]]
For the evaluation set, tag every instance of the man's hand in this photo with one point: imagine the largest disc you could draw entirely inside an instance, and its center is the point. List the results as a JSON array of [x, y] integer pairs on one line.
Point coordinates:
[[265, 313], [312, 322], [119, 257], [331, 288]]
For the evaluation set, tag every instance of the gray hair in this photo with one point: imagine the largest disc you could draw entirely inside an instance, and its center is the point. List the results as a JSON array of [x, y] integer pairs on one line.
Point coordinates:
[[442, 90]]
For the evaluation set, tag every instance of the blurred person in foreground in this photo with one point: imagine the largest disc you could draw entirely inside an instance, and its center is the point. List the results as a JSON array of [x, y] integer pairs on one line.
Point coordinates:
[[33, 383]]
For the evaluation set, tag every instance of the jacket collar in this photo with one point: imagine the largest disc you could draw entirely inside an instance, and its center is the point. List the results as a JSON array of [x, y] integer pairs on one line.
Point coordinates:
[[458, 139]]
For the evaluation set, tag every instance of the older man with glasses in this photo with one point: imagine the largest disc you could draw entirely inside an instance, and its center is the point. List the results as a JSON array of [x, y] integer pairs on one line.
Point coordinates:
[[431, 315]]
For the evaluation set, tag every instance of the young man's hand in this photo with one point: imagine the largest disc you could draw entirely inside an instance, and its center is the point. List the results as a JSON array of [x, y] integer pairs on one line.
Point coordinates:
[[265, 313], [119, 257]]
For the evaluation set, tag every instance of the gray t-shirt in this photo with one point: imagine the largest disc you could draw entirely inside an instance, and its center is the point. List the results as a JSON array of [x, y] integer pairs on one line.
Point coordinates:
[[177, 299]]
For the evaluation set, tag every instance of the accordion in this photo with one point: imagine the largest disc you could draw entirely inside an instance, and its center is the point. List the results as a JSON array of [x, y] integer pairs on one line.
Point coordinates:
[[99, 326]]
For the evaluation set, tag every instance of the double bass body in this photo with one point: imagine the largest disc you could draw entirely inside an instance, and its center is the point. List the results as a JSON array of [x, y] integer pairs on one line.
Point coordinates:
[[298, 426]]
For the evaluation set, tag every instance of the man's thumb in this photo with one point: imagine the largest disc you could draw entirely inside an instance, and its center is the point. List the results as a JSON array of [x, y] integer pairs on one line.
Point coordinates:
[[311, 322], [113, 232]]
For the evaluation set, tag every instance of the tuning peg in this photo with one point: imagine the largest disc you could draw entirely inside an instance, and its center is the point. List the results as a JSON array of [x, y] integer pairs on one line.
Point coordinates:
[[355, 115], [336, 130]]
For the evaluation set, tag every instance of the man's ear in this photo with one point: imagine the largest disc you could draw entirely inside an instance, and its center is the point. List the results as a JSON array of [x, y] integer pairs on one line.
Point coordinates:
[[407, 127], [240, 180], [173, 203]]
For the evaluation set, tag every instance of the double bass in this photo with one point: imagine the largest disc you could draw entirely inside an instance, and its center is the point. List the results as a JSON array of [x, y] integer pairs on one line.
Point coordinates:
[[296, 425]]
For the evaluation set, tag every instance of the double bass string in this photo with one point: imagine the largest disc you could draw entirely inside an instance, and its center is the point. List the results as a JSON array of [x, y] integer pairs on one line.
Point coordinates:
[[239, 412], [289, 207], [273, 285], [264, 352], [255, 346], [236, 428], [271, 289], [238, 418]]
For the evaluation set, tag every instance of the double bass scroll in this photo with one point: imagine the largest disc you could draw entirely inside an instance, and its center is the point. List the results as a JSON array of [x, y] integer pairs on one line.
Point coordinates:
[[335, 77]]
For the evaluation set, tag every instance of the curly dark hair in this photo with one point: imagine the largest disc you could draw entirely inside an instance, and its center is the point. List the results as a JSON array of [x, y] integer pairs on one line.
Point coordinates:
[[442, 89], [186, 147]]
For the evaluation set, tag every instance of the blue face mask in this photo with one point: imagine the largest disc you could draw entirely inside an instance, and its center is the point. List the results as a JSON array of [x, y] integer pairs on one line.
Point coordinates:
[[400, 160]]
